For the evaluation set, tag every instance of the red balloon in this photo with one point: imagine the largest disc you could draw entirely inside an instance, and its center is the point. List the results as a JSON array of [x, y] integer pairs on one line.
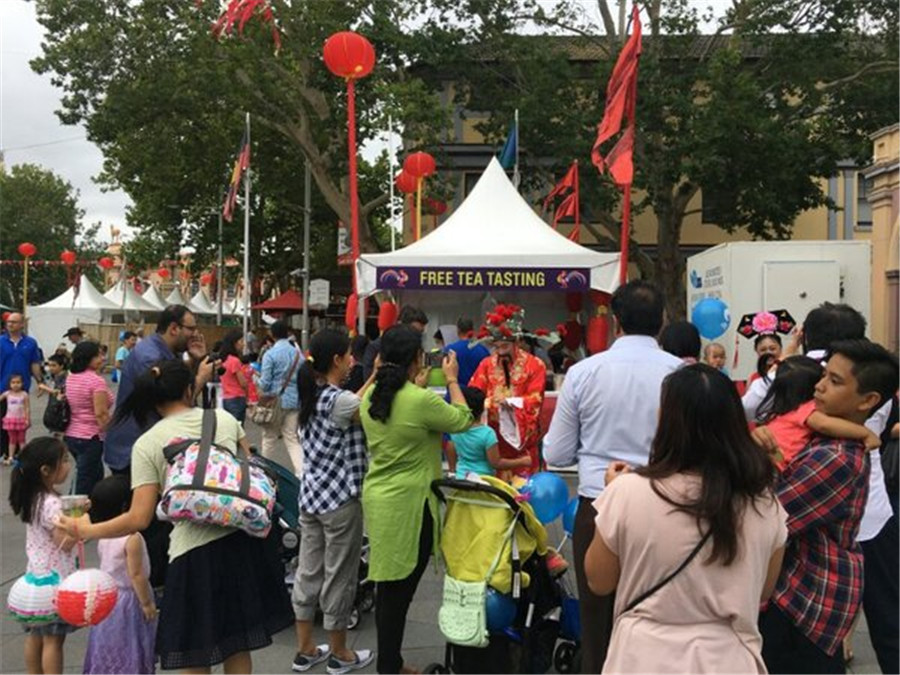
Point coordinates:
[[419, 165], [106, 263], [435, 206], [27, 249], [406, 182], [349, 55], [387, 315], [162, 273], [68, 257]]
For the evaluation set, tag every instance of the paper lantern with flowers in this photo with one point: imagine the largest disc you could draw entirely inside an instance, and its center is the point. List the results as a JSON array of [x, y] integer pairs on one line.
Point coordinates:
[[86, 597], [31, 599]]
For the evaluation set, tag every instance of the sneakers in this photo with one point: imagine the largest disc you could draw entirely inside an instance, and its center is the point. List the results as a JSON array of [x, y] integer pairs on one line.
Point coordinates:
[[556, 564], [363, 658], [303, 662]]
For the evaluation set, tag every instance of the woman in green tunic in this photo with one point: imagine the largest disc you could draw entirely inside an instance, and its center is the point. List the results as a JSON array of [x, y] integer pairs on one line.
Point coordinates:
[[403, 424]]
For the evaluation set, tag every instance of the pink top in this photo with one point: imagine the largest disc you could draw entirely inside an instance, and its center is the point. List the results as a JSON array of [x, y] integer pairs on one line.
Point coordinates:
[[45, 556], [80, 389], [791, 432], [231, 388], [114, 563], [15, 404]]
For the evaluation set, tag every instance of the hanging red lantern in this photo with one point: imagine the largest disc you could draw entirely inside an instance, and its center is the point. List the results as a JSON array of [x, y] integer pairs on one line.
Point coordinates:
[[405, 182], [162, 273], [597, 339], [27, 249], [574, 302], [574, 335], [419, 165], [205, 279], [349, 55], [68, 257], [387, 315], [351, 312], [435, 207], [106, 263]]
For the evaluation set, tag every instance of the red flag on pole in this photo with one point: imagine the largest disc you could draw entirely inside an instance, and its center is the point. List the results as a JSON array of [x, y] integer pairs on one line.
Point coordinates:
[[620, 159], [565, 209], [567, 183], [240, 165]]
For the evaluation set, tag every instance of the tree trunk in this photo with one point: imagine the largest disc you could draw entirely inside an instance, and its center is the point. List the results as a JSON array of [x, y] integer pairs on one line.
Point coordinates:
[[670, 263]]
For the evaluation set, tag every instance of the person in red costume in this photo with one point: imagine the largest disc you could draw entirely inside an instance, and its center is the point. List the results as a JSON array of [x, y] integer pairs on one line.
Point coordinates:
[[513, 383]]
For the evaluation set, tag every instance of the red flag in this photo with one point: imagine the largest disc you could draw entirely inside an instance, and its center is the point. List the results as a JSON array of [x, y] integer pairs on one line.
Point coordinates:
[[565, 209], [620, 160], [567, 183], [241, 164]]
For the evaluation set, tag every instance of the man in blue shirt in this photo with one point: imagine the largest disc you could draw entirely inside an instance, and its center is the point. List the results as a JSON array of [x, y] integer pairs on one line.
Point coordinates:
[[176, 333], [19, 355], [468, 355], [280, 366]]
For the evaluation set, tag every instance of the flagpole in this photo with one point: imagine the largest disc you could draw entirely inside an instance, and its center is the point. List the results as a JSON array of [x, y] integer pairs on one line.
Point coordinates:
[[307, 207], [246, 322], [391, 160], [516, 177], [577, 238], [219, 292]]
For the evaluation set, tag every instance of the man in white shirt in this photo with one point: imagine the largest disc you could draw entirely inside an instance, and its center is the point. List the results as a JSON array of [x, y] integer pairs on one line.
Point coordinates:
[[607, 411]]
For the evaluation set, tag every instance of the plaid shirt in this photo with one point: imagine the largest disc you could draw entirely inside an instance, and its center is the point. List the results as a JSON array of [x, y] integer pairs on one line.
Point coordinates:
[[824, 491], [334, 459]]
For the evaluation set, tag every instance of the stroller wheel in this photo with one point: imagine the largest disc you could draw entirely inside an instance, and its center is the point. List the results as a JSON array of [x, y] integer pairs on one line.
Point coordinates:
[[436, 668], [366, 601], [353, 621], [564, 657]]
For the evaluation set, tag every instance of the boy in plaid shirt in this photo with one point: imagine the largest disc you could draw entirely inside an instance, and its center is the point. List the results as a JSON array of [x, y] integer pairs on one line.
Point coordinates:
[[824, 491]]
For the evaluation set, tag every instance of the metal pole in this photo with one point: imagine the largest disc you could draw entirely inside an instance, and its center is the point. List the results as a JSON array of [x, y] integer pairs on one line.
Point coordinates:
[[391, 184], [246, 322], [307, 206], [219, 280], [622, 20]]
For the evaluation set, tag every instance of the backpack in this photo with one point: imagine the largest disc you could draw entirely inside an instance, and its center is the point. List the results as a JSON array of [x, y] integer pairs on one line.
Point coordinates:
[[209, 485], [57, 414]]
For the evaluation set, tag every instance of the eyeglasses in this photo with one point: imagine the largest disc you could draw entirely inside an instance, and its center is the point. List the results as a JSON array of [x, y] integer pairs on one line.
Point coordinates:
[[188, 328]]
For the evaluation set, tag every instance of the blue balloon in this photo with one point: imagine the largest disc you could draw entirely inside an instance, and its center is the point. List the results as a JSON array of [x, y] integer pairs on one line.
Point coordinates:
[[500, 610], [569, 516], [547, 494], [711, 317]]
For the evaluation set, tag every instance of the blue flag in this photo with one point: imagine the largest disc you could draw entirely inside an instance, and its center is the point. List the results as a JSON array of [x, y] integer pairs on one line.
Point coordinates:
[[508, 154]]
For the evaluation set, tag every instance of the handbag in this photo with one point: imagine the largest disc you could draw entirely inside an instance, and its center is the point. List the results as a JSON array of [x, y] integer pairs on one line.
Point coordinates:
[[646, 594], [267, 412], [209, 485], [58, 413]]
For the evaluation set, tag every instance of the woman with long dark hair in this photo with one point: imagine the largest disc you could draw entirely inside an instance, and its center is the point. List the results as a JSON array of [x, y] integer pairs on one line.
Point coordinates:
[[234, 382], [403, 424], [691, 543], [331, 515], [225, 594]]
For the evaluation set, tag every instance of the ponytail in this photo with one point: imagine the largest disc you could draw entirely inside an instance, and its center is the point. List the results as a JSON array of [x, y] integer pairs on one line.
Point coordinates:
[[27, 482], [165, 382], [323, 348], [400, 346]]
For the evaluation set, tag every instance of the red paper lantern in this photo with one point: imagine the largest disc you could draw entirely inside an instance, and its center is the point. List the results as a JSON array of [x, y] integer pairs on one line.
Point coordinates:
[[205, 279], [574, 301], [349, 55], [5, 316], [106, 263], [597, 339], [387, 315], [419, 165], [68, 257], [86, 597], [405, 182], [435, 207], [27, 249], [574, 335], [351, 312], [162, 273]]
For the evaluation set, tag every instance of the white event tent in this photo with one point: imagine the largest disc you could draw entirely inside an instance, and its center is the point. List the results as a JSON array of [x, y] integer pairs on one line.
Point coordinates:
[[497, 246], [176, 297], [152, 296], [48, 322], [128, 300], [200, 304]]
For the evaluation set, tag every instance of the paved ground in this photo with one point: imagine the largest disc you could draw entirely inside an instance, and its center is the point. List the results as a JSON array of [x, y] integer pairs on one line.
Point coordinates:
[[423, 642]]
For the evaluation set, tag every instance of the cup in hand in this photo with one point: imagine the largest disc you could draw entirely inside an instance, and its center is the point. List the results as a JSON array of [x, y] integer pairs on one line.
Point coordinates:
[[75, 506]]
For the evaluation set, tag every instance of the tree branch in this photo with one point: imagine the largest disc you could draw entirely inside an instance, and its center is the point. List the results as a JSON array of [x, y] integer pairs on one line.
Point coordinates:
[[876, 66], [609, 25]]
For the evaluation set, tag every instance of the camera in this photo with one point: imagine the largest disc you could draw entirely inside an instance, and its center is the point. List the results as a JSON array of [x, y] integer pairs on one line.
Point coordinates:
[[434, 359], [216, 356]]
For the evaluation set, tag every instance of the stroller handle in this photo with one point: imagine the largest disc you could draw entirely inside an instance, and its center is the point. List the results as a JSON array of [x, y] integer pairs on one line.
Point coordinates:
[[437, 487]]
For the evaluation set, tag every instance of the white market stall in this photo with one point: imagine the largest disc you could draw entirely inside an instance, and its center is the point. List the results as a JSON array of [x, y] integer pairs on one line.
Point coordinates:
[[493, 248], [128, 300], [200, 304], [152, 296], [176, 297], [48, 322]]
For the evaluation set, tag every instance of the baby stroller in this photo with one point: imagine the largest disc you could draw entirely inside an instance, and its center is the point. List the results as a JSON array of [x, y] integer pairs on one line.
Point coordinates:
[[286, 532], [482, 519]]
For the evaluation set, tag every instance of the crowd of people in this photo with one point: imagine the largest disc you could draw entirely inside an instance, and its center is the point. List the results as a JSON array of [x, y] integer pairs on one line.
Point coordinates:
[[718, 529]]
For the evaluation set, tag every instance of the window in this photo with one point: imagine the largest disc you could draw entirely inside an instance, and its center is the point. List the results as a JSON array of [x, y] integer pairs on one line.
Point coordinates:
[[863, 208], [471, 177]]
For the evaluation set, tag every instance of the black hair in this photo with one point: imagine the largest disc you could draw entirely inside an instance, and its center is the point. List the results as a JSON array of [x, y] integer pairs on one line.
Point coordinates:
[[438, 336], [874, 367], [766, 336], [323, 347], [702, 429], [249, 358], [794, 384], [764, 365], [464, 326], [27, 482], [84, 352], [829, 323], [229, 342], [171, 314], [128, 334], [475, 400], [166, 381], [17, 376], [358, 347], [681, 339], [400, 346], [639, 307], [59, 360], [410, 314], [279, 330], [111, 497]]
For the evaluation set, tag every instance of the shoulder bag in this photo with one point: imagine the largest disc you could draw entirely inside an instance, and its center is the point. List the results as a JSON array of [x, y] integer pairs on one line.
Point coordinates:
[[267, 412], [57, 414]]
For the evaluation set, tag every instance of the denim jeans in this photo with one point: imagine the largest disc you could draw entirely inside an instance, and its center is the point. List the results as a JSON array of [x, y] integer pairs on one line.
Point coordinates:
[[88, 454], [236, 406]]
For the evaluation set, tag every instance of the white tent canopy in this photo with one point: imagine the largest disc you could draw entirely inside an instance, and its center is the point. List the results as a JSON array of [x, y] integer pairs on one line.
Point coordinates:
[[200, 304], [494, 228], [152, 296], [127, 299], [176, 297], [48, 322]]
